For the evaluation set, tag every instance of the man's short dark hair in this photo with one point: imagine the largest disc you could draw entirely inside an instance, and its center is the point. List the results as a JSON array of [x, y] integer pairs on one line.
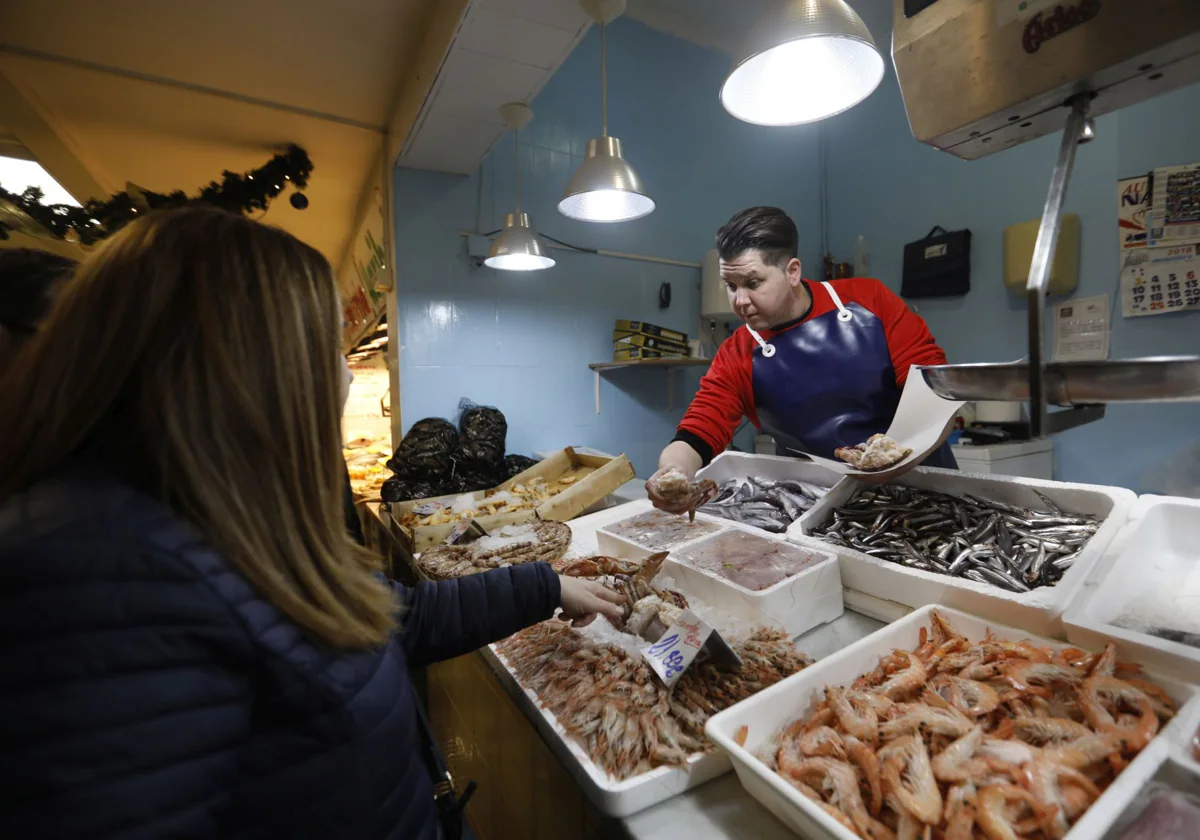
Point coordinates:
[[28, 280], [766, 229]]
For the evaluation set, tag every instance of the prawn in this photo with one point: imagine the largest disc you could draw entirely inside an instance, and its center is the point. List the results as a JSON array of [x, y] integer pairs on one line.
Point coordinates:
[[960, 813], [992, 810], [1081, 752], [970, 696], [1096, 689], [822, 741], [953, 764], [1021, 674], [906, 681], [865, 760], [838, 779], [1044, 730], [857, 719], [1042, 780], [909, 775], [918, 717]]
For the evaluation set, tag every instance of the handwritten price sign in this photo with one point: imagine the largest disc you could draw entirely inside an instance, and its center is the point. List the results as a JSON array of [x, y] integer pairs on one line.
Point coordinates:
[[671, 655]]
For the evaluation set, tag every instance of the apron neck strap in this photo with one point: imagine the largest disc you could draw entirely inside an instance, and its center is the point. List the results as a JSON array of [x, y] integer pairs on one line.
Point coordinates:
[[768, 350], [843, 313]]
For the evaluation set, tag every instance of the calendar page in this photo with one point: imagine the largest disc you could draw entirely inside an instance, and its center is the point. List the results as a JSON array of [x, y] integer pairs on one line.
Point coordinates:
[[1158, 280]]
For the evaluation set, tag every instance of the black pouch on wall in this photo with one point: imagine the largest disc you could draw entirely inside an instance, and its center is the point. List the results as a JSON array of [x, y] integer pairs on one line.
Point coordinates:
[[938, 265]]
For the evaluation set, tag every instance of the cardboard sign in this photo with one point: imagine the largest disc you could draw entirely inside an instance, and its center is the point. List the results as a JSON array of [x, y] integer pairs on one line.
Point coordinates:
[[671, 655]]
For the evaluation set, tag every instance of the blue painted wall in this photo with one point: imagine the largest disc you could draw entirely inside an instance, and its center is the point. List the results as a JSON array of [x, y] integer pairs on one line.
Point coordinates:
[[522, 342], [891, 189]]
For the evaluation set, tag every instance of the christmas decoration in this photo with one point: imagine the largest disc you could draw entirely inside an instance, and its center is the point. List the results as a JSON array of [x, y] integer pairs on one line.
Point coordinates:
[[97, 220]]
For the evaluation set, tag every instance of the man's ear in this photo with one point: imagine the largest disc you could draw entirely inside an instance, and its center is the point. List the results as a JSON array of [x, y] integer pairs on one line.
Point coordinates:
[[794, 271]]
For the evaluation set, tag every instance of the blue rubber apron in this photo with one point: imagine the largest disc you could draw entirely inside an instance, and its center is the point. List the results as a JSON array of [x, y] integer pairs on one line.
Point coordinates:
[[829, 382]]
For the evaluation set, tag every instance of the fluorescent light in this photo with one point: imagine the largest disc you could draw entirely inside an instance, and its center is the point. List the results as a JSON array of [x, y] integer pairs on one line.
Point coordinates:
[[17, 175]]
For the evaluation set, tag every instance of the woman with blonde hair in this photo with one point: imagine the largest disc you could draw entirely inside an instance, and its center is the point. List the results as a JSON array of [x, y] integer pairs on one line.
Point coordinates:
[[193, 646]]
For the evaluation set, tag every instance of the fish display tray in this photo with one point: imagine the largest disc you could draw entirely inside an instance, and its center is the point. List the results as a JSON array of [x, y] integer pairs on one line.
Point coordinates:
[[653, 530], [796, 604], [768, 712], [729, 465], [1039, 611], [611, 797], [1153, 560], [1161, 770]]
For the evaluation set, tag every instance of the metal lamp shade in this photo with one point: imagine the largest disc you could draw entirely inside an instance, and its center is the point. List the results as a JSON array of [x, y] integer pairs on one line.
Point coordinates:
[[805, 60], [605, 188], [517, 247]]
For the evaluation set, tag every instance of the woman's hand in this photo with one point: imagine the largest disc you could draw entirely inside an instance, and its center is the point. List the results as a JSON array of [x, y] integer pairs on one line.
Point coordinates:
[[583, 600]]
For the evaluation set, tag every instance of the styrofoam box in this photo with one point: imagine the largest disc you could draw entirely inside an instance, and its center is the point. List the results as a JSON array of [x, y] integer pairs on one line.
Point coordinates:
[[1113, 824], [1188, 722], [1041, 611], [729, 465], [795, 605], [1161, 534], [768, 712], [611, 797]]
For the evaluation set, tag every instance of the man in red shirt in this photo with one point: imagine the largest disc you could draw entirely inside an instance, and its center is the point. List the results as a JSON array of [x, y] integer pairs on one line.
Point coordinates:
[[816, 366]]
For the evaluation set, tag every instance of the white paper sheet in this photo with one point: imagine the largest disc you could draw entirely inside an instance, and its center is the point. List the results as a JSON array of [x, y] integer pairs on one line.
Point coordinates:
[[920, 419], [1081, 330]]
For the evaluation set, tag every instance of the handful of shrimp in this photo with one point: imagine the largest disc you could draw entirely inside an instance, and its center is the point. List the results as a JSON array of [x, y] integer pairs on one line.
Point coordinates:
[[960, 740]]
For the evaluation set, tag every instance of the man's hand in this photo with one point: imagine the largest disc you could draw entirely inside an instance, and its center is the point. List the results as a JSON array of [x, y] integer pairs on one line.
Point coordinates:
[[583, 600], [678, 455], [878, 479]]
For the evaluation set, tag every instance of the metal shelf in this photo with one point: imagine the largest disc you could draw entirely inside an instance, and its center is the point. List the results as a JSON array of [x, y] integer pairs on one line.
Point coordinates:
[[669, 364]]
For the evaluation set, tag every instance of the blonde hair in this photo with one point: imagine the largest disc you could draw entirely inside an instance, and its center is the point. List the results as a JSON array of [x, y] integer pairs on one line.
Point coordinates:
[[197, 351]]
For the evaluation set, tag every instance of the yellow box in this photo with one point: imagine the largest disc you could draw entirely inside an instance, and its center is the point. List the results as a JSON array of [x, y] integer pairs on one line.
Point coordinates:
[[1018, 255]]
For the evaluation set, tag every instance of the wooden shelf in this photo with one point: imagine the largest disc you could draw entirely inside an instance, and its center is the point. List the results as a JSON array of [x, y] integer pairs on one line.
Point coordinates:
[[599, 366], [669, 364]]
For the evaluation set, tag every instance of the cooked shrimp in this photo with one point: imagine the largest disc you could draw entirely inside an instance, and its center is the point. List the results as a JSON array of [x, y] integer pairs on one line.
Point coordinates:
[[960, 813], [838, 780], [1041, 779], [1164, 704], [970, 696], [857, 719], [1097, 689], [1014, 753], [992, 809], [1023, 673], [953, 764], [1083, 751], [739, 737], [1106, 663], [822, 717], [907, 681], [822, 741], [1038, 730], [909, 775], [943, 629], [864, 758], [918, 717]]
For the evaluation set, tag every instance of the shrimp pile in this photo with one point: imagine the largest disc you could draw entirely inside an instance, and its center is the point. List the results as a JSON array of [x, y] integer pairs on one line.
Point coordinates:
[[960, 740], [614, 706]]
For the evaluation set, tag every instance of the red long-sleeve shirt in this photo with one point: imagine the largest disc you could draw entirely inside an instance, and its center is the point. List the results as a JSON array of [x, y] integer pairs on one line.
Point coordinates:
[[726, 392]]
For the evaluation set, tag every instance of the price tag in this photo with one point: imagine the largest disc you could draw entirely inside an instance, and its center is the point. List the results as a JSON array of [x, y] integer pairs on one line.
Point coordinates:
[[677, 648]]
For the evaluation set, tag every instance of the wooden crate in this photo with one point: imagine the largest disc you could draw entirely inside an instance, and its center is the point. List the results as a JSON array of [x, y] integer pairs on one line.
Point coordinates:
[[595, 478]]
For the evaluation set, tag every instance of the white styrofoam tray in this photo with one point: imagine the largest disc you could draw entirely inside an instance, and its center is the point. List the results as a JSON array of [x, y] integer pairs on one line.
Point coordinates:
[[768, 712], [1167, 774], [1160, 539], [729, 465], [795, 605], [1040, 610], [618, 545], [1187, 723]]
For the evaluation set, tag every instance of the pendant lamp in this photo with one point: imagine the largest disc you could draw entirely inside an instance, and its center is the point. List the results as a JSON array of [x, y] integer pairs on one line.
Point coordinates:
[[517, 247], [605, 188], [805, 60]]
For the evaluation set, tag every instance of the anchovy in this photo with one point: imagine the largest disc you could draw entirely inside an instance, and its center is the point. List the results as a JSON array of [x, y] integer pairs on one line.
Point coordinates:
[[765, 503], [995, 543]]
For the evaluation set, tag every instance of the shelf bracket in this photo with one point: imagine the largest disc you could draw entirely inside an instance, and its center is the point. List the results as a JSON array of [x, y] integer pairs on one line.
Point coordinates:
[[670, 389], [596, 374]]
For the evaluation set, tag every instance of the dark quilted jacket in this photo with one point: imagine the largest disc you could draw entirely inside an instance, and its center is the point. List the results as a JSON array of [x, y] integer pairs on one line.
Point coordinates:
[[146, 690]]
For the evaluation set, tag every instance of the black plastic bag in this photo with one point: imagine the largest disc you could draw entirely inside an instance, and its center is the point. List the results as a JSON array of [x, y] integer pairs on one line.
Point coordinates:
[[471, 474], [405, 490], [427, 451], [514, 465], [483, 432]]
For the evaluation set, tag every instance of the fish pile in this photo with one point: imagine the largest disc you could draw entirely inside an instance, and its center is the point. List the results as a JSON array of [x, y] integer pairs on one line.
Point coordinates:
[[877, 454], [509, 546], [1007, 737], [765, 503], [1014, 548], [612, 704]]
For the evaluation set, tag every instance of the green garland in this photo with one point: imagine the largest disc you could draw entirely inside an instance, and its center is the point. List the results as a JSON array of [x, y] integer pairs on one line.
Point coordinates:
[[97, 220]]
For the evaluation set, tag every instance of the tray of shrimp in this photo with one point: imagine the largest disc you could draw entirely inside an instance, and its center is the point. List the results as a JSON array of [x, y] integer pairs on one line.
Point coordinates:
[[943, 725]]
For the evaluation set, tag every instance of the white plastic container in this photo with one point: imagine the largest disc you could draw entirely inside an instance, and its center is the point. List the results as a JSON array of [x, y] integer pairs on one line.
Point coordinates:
[[729, 465], [1040, 611], [1154, 558], [768, 712], [611, 797], [795, 605]]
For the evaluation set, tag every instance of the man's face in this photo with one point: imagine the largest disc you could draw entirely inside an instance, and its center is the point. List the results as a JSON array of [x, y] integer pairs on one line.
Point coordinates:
[[761, 294]]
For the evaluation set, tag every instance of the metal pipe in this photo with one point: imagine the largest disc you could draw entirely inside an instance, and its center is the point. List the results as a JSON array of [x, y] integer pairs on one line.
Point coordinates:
[[1043, 254], [602, 252]]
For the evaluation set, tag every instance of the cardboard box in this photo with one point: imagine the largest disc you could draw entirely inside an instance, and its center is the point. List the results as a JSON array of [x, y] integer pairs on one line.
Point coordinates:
[[650, 329], [628, 339], [594, 478], [637, 354]]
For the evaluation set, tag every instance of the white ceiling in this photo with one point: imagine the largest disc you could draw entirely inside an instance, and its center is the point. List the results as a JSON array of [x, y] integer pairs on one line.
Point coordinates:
[[169, 94], [717, 24], [505, 51]]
